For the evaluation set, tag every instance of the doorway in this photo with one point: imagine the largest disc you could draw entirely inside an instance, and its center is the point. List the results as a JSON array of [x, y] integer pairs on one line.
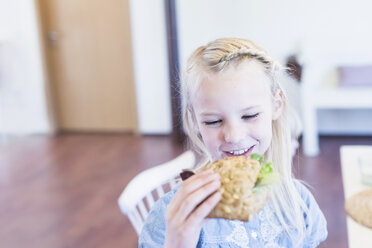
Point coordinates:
[[87, 46]]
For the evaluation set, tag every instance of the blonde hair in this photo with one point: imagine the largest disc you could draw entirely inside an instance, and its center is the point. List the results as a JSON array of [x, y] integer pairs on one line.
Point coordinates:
[[216, 57]]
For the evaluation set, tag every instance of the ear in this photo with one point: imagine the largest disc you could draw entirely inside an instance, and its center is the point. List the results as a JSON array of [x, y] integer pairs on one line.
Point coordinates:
[[278, 104]]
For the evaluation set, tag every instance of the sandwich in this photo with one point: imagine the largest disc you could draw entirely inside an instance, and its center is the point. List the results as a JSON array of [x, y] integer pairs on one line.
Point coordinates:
[[244, 186]]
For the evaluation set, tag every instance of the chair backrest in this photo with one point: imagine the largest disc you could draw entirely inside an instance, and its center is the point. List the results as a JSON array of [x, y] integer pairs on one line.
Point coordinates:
[[148, 186]]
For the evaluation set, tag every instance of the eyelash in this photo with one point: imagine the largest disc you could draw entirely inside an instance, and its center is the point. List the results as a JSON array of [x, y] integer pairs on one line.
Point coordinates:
[[210, 123], [250, 116], [244, 117]]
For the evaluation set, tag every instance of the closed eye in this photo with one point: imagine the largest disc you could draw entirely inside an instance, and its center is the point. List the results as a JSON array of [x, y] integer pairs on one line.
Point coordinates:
[[247, 117], [211, 123]]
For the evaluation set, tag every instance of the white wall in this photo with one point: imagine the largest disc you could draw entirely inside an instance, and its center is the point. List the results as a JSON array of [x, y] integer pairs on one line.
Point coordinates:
[[151, 66], [308, 28], [23, 107], [282, 27], [266, 22]]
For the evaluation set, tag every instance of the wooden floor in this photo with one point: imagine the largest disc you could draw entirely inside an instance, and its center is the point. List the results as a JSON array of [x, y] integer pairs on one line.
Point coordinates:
[[62, 191], [323, 174]]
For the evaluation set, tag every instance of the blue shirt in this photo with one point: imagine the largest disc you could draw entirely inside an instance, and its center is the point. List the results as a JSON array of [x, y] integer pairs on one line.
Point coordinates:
[[233, 233]]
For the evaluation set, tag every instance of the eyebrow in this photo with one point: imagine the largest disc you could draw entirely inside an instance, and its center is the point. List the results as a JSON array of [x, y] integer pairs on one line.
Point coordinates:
[[251, 107], [243, 110]]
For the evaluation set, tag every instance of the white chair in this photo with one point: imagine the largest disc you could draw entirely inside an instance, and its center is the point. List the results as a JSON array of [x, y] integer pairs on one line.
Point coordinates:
[[148, 186]]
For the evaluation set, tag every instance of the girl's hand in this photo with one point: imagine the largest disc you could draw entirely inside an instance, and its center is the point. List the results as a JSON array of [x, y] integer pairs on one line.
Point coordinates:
[[188, 209]]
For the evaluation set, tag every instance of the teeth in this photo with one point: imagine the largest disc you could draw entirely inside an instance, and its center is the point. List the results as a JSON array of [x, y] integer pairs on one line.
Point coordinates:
[[239, 152]]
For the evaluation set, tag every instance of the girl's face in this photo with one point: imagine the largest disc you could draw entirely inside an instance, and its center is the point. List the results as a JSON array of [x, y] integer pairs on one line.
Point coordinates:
[[234, 111]]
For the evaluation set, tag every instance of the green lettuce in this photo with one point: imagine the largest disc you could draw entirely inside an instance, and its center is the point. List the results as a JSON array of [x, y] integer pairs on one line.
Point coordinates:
[[267, 176]]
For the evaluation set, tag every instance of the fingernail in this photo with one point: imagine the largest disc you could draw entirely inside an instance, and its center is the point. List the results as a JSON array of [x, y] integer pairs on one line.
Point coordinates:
[[217, 183], [217, 195]]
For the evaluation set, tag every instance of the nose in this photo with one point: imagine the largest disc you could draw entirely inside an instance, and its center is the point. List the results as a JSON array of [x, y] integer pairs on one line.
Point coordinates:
[[233, 133]]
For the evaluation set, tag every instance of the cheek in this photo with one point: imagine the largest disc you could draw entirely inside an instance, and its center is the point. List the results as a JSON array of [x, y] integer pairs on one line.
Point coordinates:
[[208, 135], [210, 138], [263, 133]]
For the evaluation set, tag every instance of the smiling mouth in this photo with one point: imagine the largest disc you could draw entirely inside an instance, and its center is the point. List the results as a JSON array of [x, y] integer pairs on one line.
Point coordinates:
[[241, 152]]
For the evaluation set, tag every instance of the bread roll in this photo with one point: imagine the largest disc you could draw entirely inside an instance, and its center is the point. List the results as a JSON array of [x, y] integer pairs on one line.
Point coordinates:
[[238, 178], [359, 207]]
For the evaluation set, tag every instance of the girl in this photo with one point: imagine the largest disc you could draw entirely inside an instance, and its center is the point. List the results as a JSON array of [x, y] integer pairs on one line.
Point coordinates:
[[233, 104]]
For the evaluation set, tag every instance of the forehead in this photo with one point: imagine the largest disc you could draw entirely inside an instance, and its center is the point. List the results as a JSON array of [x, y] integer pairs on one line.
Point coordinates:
[[243, 85]]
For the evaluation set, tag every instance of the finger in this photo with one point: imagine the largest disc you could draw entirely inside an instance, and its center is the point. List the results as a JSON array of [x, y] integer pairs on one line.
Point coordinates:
[[196, 198], [188, 187], [197, 217], [193, 183]]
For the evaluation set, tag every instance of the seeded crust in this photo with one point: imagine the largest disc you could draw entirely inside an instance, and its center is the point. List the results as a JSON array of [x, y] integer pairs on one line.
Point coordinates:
[[238, 177]]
